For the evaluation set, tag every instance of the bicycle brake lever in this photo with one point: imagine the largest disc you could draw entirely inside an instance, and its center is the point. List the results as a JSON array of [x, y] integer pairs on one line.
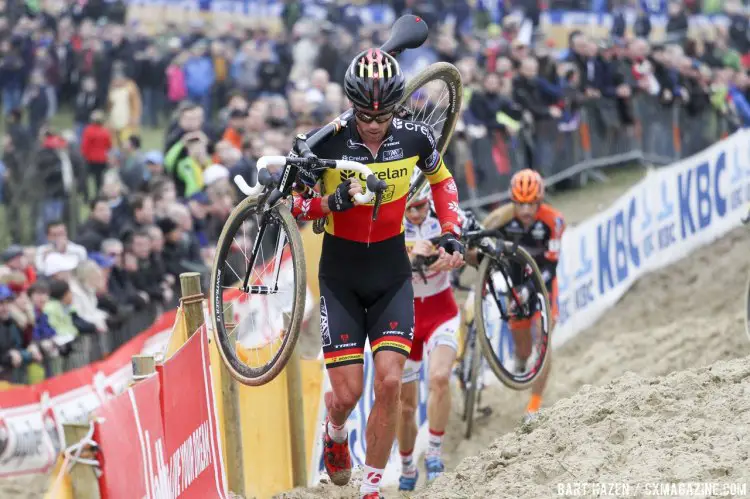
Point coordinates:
[[376, 206], [378, 187]]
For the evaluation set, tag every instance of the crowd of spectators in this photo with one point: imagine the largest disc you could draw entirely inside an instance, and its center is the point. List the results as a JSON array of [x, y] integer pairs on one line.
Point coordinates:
[[219, 97]]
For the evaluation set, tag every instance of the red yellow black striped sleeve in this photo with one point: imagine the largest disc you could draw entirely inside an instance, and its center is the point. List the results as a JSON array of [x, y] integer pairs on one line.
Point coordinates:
[[444, 190]]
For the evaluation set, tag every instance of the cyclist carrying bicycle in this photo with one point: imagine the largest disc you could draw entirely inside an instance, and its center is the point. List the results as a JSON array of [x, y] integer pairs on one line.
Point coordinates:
[[540, 228], [436, 321], [364, 273]]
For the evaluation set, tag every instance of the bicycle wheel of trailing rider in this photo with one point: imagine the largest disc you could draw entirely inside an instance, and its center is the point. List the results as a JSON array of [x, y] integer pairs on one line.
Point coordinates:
[[496, 301], [433, 97], [259, 274], [471, 365]]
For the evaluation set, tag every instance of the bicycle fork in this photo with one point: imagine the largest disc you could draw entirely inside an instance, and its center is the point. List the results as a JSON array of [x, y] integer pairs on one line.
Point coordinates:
[[262, 289]]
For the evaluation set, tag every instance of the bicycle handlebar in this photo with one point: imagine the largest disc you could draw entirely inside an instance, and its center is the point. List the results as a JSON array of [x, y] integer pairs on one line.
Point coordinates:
[[373, 183]]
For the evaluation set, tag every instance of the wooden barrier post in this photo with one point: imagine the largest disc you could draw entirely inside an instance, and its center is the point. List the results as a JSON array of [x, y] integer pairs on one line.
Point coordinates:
[[82, 476], [143, 367], [296, 415], [232, 420], [192, 301]]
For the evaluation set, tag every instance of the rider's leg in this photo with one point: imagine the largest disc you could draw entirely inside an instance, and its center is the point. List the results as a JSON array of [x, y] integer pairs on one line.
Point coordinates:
[[407, 427], [441, 347], [390, 329], [522, 340], [381, 424], [540, 383], [346, 389], [342, 334], [439, 399]]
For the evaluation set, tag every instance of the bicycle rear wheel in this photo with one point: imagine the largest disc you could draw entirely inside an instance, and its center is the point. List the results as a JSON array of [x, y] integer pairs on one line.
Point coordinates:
[[492, 295], [257, 341], [434, 97]]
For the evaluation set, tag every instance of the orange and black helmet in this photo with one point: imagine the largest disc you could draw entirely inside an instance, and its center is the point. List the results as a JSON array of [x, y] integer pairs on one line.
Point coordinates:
[[374, 81], [527, 186]]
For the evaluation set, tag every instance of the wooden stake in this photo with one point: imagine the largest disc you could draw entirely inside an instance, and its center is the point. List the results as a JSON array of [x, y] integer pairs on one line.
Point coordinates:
[[143, 367], [192, 301], [296, 415], [232, 419], [82, 476]]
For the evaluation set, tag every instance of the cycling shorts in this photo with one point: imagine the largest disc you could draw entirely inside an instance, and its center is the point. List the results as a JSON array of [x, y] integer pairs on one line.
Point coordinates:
[[524, 324], [350, 314], [436, 322]]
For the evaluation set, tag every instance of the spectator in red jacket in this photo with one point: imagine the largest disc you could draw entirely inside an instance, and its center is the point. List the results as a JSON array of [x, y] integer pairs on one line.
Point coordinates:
[[95, 145]]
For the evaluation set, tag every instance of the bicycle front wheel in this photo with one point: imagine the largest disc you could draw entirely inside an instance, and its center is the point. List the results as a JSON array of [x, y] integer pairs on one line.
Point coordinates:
[[434, 97], [492, 298], [258, 337]]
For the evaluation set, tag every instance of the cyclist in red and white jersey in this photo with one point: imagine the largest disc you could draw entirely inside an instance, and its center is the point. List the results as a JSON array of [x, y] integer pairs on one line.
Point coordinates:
[[436, 322]]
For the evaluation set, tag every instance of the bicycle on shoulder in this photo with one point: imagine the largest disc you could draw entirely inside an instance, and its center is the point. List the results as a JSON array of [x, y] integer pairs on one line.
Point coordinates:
[[259, 266], [509, 287]]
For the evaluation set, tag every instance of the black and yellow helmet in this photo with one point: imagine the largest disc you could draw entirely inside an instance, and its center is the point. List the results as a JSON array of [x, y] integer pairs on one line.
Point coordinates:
[[374, 81]]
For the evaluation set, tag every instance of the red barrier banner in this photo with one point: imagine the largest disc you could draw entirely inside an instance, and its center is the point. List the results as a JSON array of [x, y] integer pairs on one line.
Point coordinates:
[[31, 417], [29, 441], [129, 430], [194, 467], [160, 439]]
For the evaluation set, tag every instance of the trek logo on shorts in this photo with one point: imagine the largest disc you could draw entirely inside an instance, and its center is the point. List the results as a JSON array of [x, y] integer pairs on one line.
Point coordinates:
[[325, 333]]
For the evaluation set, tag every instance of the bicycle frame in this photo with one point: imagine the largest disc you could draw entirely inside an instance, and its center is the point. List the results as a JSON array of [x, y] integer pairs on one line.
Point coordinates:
[[482, 241], [268, 197]]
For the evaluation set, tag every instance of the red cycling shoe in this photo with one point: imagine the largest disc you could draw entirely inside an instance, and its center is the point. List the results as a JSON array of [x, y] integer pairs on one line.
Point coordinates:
[[336, 458]]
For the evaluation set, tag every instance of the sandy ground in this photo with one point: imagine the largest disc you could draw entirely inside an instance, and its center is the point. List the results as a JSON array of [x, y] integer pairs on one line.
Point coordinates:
[[687, 316]]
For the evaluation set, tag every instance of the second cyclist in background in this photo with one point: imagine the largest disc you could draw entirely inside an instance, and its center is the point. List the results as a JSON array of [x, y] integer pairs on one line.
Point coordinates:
[[539, 228], [436, 321]]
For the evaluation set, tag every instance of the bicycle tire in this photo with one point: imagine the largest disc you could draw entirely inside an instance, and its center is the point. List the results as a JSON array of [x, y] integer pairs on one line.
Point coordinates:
[[507, 378], [470, 396], [449, 74], [747, 307], [243, 373]]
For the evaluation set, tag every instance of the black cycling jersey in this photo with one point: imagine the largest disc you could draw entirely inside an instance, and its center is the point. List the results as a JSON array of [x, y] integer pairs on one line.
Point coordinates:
[[365, 273]]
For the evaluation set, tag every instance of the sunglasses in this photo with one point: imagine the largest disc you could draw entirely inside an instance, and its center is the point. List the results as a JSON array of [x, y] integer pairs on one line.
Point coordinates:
[[368, 118]]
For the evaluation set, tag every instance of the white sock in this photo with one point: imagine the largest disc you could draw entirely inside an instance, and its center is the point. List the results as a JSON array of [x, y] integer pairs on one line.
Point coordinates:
[[371, 478], [435, 443], [337, 433], [407, 464]]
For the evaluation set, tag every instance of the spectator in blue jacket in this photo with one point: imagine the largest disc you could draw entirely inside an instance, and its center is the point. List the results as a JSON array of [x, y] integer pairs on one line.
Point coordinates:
[[12, 76], [13, 355], [43, 333], [200, 77], [737, 97]]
